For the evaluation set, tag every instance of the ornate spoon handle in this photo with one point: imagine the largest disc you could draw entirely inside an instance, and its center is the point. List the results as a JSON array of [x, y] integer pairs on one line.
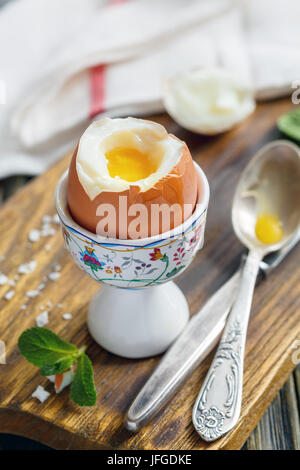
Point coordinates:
[[218, 405]]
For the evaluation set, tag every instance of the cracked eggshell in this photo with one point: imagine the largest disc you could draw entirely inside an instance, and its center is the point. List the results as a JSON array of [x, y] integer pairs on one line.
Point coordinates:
[[176, 184], [62, 380], [208, 101]]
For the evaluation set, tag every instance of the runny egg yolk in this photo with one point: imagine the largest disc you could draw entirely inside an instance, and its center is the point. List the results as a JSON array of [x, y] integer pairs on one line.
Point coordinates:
[[268, 229], [129, 164]]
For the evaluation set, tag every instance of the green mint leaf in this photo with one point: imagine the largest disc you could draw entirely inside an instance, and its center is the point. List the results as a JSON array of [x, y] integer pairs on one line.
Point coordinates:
[[83, 390], [58, 367], [41, 346], [289, 124]]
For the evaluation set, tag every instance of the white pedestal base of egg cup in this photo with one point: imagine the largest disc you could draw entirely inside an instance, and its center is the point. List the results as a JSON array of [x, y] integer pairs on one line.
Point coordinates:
[[145, 312], [138, 323]]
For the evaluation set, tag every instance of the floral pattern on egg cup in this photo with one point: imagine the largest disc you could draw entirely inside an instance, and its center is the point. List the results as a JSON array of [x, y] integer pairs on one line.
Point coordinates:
[[144, 316], [120, 266]]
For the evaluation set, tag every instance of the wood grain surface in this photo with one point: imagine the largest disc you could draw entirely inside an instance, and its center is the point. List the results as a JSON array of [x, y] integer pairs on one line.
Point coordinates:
[[279, 429], [273, 329]]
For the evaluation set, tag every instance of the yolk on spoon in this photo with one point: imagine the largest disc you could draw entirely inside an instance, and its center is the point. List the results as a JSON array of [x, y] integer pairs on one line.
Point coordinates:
[[268, 229], [129, 164]]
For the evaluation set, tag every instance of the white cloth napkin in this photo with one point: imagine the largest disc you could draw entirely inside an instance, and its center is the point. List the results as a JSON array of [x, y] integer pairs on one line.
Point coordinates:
[[65, 61]]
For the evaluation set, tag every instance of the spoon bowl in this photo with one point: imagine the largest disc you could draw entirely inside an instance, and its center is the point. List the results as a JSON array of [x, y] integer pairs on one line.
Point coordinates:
[[269, 184]]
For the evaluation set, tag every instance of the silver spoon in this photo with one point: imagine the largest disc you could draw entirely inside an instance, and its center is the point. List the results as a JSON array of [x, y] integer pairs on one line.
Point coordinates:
[[269, 184]]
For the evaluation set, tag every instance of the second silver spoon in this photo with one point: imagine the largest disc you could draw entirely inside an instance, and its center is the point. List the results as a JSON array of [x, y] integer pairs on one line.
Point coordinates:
[[272, 177]]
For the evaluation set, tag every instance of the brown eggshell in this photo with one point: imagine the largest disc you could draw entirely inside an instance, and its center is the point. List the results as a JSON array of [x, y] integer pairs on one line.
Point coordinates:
[[180, 186]]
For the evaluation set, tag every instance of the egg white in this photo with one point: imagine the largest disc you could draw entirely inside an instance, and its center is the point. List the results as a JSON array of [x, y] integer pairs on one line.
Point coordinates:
[[208, 101], [105, 134]]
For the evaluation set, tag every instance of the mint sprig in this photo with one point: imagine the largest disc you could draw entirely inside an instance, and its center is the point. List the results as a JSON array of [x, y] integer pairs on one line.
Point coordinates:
[[82, 392], [289, 124], [53, 355], [41, 346], [58, 367]]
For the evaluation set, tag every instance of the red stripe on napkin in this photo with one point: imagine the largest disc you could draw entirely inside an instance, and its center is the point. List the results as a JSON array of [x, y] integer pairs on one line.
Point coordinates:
[[97, 78], [116, 2], [97, 81]]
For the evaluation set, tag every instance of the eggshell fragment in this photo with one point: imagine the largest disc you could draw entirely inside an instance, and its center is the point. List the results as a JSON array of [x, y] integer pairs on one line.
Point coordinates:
[[62, 380], [179, 187]]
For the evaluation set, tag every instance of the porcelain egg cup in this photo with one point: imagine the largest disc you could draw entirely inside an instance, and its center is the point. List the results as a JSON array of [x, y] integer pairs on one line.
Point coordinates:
[[139, 311]]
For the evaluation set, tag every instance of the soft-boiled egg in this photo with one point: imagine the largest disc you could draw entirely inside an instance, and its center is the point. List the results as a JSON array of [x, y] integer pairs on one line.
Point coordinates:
[[125, 173]]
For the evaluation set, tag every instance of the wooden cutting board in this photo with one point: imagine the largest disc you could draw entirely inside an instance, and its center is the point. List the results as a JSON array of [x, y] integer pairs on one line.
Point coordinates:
[[274, 326]]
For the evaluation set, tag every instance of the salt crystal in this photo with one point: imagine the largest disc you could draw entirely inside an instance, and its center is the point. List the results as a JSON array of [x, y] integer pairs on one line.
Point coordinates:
[[23, 307], [59, 305], [16, 278], [41, 286], [49, 304], [41, 394], [46, 219], [9, 295], [3, 279], [57, 267], [34, 235], [55, 219], [67, 316], [42, 319], [47, 247], [12, 283], [54, 276], [47, 231], [42, 307], [27, 268], [32, 293]]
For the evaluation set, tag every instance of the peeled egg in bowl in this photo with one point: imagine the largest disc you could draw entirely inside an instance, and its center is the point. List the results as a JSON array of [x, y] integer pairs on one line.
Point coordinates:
[[208, 101], [125, 163]]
